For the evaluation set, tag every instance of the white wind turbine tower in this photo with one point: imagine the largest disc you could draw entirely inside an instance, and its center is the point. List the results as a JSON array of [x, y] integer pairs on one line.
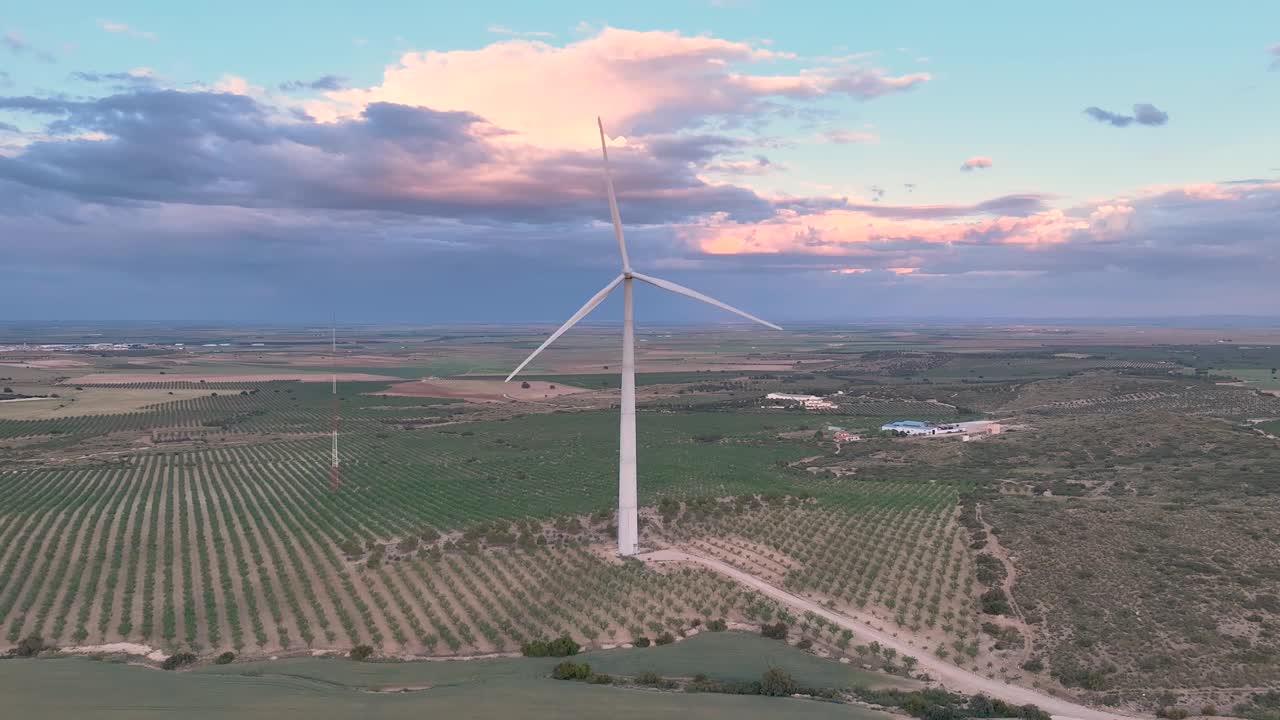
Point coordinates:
[[628, 523]]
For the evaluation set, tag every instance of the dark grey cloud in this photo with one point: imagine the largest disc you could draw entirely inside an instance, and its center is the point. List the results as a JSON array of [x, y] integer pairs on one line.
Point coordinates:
[[224, 149], [324, 82], [1143, 114]]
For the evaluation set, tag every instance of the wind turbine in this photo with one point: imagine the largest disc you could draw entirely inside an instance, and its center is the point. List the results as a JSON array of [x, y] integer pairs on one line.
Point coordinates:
[[628, 524]]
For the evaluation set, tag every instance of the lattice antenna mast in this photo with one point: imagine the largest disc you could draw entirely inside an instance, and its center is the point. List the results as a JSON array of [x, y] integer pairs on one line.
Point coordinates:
[[333, 350]]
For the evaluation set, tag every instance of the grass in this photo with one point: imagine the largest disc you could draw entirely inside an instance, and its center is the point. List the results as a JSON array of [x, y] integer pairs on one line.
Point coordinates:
[[499, 688], [113, 691]]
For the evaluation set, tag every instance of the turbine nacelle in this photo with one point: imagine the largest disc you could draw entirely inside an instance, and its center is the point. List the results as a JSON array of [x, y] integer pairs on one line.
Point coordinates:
[[627, 513]]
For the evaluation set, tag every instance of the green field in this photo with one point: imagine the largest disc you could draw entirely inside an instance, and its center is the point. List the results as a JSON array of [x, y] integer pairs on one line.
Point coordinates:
[[506, 688]]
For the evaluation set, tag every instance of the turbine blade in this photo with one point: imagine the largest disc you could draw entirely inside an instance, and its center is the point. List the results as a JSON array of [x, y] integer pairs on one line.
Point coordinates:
[[613, 201], [582, 312], [682, 290]]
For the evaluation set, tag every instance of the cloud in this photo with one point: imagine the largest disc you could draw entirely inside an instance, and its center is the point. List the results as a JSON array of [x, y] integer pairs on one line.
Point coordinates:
[[977, 162], [642, 83], [222, 148], [123, 28], [9, 128], [504, 30], [846, 137], [1223, 231], [133, 79], [18, 45], [6, 80], [1274, 52], [1143, 114], [324, 82]]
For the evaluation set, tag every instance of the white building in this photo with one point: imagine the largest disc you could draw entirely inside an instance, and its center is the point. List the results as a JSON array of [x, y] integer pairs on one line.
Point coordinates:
[[809, 402], [919, 427]]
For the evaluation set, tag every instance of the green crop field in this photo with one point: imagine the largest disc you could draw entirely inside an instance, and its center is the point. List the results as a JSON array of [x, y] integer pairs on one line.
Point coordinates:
[[516, 688]]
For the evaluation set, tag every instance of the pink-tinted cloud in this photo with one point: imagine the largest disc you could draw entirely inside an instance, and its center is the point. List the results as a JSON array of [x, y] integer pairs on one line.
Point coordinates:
[[639, 82], [847, 137], [1165, 223], [975, 163]]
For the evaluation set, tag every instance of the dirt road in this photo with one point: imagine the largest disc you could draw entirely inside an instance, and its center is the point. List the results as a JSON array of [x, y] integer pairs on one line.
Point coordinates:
[[949, 675]]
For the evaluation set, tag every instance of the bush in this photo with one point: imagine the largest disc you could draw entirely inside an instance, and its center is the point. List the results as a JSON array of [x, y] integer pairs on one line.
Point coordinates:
[[994, 602], [804, 644], [665, 638], [361, 652], [641, 642], [560, 647], [717, 625], [30, 646], [1172, 713], [569, 670], [777, 682], [1209, 710], [777, 631], [600, 679], [225, 658], [653, 679], [177, 660], [1035, 664]]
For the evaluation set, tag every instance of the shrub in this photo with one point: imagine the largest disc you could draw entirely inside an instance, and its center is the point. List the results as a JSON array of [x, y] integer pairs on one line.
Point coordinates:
[[777, 682], [177, 660], [777, 631], [225, 658], [717, 625], [1209, 710], [1172, 713], [569, 670], [805, 644], [665, 638], [600, 679], [30, 646], [361, 652], [1035, 664], [652, 679], [641, 642], [994, 602], [560, 647]]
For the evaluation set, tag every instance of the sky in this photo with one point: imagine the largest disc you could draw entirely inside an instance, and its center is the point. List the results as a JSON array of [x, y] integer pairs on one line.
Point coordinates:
[[423, 162]]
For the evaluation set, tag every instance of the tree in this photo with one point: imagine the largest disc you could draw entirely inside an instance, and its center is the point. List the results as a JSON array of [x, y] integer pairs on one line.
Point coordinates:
[[777, 682], [777, 631], [177, 660], [569, 670], [30, 646], [361, 652]]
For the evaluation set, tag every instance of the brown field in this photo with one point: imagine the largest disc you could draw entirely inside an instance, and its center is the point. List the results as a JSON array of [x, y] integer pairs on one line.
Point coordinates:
[[90, 401], [129, 378], [481, 390]]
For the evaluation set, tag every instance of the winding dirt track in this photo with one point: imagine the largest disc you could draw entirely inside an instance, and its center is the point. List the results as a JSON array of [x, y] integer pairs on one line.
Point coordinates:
[[946, 673]]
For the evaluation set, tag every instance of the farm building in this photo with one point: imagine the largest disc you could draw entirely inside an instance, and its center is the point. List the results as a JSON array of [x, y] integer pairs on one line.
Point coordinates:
[[918, 427], [809, 402]]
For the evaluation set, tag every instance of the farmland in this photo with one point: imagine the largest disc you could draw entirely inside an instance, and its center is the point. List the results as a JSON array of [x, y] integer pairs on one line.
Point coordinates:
[[192, 510]]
